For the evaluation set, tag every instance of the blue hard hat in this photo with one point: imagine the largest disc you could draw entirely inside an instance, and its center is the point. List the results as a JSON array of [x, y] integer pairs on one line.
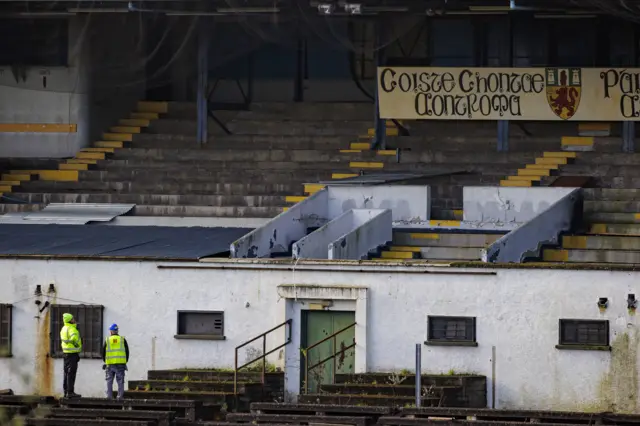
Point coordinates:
[[114, 327]]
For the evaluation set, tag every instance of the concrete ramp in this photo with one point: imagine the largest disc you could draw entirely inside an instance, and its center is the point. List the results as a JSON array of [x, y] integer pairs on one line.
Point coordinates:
[[351, 235]]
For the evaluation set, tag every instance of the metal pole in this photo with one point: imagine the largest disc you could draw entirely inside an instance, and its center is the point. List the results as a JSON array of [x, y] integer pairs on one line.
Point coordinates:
[[203, 74], [418, 373]]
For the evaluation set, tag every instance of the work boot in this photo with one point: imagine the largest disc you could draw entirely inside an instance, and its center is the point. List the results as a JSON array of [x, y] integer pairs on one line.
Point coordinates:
[[74, 395]]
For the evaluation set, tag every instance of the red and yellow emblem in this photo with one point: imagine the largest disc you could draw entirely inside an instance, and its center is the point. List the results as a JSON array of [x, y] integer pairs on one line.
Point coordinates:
[[564, 86]]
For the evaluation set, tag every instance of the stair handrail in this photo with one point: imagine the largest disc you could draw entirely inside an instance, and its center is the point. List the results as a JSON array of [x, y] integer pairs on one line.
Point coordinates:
[[333, 336], [264, 355]]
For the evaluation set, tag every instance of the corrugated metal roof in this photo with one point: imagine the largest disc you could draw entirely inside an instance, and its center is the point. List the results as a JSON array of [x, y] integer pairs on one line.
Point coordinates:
[[150, 242], [69, 214]]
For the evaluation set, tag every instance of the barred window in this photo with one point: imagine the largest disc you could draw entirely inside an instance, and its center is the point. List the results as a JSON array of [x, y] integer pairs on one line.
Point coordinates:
[[89, 322], [577, 332], [453, 330], [5, 330], [200, 325]]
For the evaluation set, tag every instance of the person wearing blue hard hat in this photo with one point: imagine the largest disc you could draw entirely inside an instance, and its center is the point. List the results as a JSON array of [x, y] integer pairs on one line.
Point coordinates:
[[115, 354]]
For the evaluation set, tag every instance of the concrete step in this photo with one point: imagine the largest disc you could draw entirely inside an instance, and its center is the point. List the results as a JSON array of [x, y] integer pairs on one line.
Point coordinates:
[[191, 385], [592, 256], [446, 214], [303, 111], [611, 194], [592, 242], [366, 400], [199, 175], [423, 239], [614, 229], [159, 187], [600, 170], [612, 218], [155, 199], [433, 253], [611, 206], [610, 159], [171, 211]]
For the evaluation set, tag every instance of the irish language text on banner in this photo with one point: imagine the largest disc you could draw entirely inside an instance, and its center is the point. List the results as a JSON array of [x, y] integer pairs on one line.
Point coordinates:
[[577, 94]]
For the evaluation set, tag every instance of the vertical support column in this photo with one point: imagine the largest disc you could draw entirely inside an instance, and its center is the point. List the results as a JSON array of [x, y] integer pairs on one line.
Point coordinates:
[[379, 139], [418, 374], [503, 125], [203, 75], [628, 136], [503, 135]]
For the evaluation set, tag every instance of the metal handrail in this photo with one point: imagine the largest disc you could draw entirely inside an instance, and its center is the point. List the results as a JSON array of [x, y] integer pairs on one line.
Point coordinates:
[[264, 355], [333, 336]]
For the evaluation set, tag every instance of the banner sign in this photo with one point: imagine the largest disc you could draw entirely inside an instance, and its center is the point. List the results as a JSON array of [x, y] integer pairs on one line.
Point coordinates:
[[578, 94]]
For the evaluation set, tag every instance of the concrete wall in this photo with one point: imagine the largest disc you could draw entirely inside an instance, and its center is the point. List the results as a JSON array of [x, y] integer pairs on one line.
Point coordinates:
[[104, 76], [517, 312]]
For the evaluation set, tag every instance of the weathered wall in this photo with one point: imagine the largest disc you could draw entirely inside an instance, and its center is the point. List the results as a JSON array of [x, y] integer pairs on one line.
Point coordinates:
[[517, 312], [104, 76]]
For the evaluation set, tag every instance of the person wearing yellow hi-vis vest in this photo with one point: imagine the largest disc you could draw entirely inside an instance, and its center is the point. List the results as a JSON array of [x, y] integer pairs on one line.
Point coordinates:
[[115, 354], [71, 348]]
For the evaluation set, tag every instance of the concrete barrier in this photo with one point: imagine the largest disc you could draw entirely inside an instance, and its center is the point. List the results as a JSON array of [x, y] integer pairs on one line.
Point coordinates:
[[277, 235], [376, 229], [317, 245], [527, 240], [491, 204]]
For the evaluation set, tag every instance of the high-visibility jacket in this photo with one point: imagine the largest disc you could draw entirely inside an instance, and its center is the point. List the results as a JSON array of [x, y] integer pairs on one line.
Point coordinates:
[[115, 352], [70, 339]]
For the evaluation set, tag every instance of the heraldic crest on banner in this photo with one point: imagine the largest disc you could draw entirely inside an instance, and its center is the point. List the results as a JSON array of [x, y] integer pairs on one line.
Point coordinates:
[[564, 86]]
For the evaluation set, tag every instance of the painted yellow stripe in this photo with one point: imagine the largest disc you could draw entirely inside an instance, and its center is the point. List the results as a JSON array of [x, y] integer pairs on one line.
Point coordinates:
[[150, 106], [515, 183], [449, 223], [524, 178], [4, 188], [294, 198], [145, 115], [343, 175], [390, 131], [390, 123], [365, 165], [424, 236], [37, 128], [124, 129], [7, 182], [574, 242], [405, 248], [117, 137], [59, 175], [69, 166], [135, 122], [598, 228], [636, 216], [534, 172], [396, 255], [594, 127], [98, 149], [312, 188], [360, 145], [577, 140], [16, 177], [542, 166], [559, 154], [284, 209], [81, 161], [91, 155], [350, 151], [386, 152], [109, 144], [554, 161], [552, 255]]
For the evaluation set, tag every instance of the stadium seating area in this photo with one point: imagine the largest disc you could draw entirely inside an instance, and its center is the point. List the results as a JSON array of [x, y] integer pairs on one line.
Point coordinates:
[[277, 153]]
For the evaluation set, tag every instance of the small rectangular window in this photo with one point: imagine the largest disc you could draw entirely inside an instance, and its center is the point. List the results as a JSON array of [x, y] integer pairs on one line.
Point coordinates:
[[5, 330], [583, 334], [205, 325], [454, 331], [89, 322]]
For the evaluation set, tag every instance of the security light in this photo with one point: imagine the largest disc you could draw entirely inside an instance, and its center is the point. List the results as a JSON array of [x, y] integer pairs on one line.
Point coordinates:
[[353, 8], [325, 8]]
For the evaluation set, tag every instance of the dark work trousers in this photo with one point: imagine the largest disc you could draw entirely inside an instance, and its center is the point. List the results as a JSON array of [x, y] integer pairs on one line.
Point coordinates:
[[70, 368], [117, 371]]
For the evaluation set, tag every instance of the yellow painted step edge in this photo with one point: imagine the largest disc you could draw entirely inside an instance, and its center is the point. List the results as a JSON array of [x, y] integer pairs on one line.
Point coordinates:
[[366, 165], [294, 198]]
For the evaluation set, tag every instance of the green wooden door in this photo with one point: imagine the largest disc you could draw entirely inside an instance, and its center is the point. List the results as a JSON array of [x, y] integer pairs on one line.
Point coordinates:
[[318, 325]]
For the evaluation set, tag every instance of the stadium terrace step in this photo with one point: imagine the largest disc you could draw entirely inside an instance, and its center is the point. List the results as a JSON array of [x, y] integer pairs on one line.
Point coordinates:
[[298, 419], [614, 229], [212, 375], [160, 418], [611, 206], [195, 386], [291, 128], [592, 242], [423, 239], [199, 175], [611, 194], [184, 410], [591, 256], [159, 187], [155, 199], [612, 218], [170, 211], [432, 253]]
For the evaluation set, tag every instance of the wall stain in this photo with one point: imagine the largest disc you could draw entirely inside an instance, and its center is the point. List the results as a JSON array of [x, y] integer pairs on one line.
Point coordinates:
[[618, 390], [44, 363]]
